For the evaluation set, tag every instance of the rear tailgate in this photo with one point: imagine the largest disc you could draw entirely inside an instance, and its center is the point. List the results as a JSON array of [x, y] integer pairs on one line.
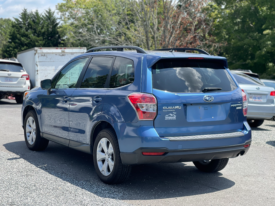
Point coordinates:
[[10, 76], [184, 110]]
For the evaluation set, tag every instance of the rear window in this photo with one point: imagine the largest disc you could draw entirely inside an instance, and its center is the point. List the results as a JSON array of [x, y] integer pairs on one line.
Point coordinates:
[[244, 79], [270, 84], [191, 76], [11, 67]]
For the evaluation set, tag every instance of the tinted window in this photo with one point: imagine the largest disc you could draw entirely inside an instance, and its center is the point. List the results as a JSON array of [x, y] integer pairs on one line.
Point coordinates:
[[97, 73], [244, 79], [183, 75], [123, 72], [11, 67], [68, 77], [270, 84]]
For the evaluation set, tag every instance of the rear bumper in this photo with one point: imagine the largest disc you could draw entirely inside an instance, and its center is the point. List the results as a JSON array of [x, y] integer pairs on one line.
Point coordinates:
[[260, 111], [183, 155]]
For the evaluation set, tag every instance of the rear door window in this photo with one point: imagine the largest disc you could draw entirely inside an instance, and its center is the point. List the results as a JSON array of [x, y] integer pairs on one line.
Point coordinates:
[[97, 72], [244, 79], [191, 76], [11, 67], [123, 72]]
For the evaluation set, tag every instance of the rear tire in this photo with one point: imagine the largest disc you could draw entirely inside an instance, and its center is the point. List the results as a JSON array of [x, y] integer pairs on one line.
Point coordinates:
[[19, 99], [255, 122], [106, 158], [212, 165], [32, 133]]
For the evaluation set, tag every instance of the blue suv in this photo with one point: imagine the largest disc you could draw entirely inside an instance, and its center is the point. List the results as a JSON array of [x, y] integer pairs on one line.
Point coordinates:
[[126, 108]]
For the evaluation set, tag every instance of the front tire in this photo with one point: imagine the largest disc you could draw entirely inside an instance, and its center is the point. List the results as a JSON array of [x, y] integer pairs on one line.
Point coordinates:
[[106, 158], [212, 165], [255, 122], [19, 99], [32, 133]]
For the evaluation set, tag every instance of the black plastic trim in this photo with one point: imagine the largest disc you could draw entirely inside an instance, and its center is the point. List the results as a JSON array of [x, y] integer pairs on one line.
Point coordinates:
[[118, 48], [170, 156], [183, 50]]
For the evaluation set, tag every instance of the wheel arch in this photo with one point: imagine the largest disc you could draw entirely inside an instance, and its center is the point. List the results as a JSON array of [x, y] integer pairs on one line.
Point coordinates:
[[25, 112], [100, 125]]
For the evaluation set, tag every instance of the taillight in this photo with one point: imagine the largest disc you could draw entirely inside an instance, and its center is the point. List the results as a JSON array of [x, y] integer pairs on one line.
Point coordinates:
[[272, 93], [244, 103], [145, 105], [26, 76]]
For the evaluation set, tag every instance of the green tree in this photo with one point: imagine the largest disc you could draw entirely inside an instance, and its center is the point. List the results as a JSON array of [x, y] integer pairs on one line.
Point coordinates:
[[5, 27], [32, 29], [247, 29]]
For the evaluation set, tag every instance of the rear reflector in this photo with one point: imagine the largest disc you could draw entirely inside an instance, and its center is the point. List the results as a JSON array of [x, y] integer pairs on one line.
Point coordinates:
[[272, 93], [145, 105], [244, 103], [153, 153], [246, 146], [26, 76]]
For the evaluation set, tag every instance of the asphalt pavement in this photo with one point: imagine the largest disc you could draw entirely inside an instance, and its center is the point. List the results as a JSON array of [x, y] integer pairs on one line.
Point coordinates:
[[63, 176]]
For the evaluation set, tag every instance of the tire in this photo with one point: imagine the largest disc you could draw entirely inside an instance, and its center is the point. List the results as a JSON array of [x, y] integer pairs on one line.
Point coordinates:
[[19, 99], [31, 128], [212, 165], [255, 122], [103, 163]]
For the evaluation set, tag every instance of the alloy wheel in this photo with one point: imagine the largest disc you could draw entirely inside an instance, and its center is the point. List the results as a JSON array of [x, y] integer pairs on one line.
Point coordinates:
[[31, 130], [105, 156]]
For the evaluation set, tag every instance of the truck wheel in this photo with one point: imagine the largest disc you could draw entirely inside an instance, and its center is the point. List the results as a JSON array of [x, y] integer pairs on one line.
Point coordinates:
[[255, 122], [19, 99], [106, 157], [211, 165], [32, 133]]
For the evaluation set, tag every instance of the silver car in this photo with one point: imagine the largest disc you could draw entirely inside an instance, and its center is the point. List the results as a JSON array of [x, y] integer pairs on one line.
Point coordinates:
[[268, 83], [261, 104]]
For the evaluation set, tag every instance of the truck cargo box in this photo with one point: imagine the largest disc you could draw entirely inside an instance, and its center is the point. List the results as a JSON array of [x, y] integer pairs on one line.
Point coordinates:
[[44, 62]]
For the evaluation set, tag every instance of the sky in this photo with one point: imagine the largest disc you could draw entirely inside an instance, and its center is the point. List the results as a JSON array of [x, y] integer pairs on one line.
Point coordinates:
[[12, 8]]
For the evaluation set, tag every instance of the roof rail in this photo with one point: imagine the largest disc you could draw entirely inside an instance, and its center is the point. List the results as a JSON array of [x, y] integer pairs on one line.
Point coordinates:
[[117, 48], [183, 50]]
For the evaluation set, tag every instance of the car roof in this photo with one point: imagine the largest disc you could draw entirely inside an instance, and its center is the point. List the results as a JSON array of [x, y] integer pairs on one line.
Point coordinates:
[[9, 61], [152, 56]]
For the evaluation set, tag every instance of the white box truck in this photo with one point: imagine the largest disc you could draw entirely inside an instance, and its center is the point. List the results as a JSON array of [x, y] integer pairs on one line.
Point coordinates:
[[44, 62]]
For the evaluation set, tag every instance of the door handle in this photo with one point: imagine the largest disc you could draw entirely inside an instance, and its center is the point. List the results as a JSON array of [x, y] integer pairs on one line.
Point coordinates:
[[97, 99]]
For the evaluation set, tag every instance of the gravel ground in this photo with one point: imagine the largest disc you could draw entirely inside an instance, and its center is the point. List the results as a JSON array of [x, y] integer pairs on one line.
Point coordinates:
[[62, 176]]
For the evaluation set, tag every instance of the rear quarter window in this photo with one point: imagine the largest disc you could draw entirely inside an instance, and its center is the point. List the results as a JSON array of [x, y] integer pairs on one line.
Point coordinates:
[[9, 67], [191, 76]]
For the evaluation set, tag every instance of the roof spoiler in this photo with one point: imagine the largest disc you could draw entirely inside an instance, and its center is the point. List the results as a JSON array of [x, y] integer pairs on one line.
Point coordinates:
[[183, 50]]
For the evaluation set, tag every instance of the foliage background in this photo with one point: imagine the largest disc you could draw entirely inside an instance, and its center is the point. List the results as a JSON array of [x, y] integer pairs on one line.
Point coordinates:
[[241, 30]]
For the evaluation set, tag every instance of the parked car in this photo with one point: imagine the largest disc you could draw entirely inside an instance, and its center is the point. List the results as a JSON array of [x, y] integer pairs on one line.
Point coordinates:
[[268, 83], [130, 108], [260, 99], [14, 80]]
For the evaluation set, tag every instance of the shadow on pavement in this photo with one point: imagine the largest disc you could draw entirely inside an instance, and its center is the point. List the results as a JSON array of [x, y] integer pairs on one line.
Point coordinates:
[[154, 181], [272, 143], [260, 129]]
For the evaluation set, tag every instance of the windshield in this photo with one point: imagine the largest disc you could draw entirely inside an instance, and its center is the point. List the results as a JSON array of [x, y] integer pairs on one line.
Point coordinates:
[[11, 67], [191, 76]]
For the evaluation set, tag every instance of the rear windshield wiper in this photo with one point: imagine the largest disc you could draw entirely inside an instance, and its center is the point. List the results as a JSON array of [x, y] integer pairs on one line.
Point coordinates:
[[206, 89], [6, 70]]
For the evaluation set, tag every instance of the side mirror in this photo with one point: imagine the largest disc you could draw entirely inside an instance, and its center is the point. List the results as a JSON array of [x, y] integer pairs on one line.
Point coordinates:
[[46, 84]]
